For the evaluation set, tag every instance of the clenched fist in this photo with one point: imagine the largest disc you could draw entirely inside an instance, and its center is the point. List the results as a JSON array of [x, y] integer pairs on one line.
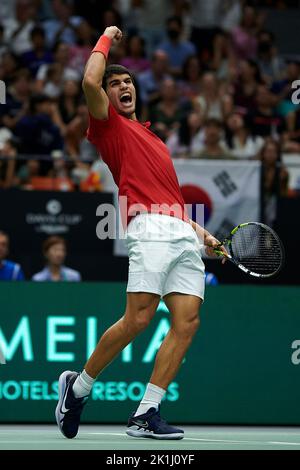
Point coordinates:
[[114, 33]]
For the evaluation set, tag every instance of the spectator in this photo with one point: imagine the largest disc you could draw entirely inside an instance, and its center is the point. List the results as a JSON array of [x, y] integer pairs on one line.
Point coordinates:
[[206, 19], [38, 54], [9, 271], [36, 131], [211, 101], [190, 82], [245, 89], [17, 29], [8, 154], [264, 119], [270, 63], [62, 57], [177, 49], [55, 252], [53, 83], [81, 51], [167, 113], [29, 169], [244, 38], [274, 179], [135, 58], [9, 65], [188, 139], [214, 147], [151, 80], [17, 99], [223, 60], [3, 43], [62, 27], [240, 142]]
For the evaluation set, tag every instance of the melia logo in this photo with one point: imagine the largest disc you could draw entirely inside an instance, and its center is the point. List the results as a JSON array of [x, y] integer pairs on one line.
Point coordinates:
[[2, 92]]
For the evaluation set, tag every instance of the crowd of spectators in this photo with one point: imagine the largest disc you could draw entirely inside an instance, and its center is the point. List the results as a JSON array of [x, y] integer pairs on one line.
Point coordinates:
[[210, 79]]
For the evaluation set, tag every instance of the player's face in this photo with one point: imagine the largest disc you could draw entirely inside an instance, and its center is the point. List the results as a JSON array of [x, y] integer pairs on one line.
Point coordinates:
[[3, 247], [121, 92]]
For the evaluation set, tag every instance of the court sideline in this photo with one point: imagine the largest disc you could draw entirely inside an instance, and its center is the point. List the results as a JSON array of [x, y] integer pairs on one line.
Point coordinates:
[[113, 437]]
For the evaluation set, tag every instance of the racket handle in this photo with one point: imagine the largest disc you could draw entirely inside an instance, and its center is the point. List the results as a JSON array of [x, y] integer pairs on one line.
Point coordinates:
[[221, 253]]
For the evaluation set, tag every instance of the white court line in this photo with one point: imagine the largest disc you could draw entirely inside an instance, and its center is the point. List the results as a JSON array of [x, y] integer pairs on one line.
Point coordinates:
[[229, 441]]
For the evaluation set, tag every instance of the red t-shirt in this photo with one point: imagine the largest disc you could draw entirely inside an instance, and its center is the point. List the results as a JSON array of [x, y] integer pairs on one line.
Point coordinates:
[[141, 166]]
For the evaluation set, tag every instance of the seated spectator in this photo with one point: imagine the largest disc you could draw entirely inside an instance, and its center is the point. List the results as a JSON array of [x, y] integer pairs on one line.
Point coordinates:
[[9, 271], [223, 59], [55, 252], [62, 57], [190, 82], [151, 80], [9, 65], [188, 139], [177, 49], [239, 140], [264, 119], [81, 50], [167, 113], [17, 99], [53, 82], [3, 43], [244, 39], [17, 29], [8, 154], [38, 54], [214, 147], [135, 55], [62, 26], [270, 63], [211, 102], [28, 170], [275, 178], [36, 131], [245, 88]]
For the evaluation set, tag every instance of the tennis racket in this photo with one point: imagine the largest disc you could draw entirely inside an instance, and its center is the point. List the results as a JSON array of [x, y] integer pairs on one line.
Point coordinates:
[[254, 248]]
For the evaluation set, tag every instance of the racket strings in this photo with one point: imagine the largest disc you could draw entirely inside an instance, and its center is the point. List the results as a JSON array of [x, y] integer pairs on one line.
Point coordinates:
[[257, 248]]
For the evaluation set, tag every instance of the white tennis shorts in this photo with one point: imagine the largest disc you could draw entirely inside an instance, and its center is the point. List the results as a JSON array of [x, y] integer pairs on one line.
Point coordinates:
[[164, 256]]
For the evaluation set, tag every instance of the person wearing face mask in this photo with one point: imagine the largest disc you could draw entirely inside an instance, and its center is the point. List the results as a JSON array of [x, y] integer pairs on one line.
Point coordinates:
[[177, 49]]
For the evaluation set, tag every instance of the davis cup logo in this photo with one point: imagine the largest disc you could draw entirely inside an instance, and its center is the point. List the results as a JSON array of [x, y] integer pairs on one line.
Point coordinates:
[[194, 195]]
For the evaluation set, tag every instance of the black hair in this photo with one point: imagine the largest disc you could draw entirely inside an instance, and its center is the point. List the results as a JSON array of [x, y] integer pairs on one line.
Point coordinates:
[[176, 19], [37, 99], [37, 31], [116, 69]]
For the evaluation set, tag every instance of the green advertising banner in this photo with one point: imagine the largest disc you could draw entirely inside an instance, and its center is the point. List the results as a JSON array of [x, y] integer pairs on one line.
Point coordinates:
[[242, 368]]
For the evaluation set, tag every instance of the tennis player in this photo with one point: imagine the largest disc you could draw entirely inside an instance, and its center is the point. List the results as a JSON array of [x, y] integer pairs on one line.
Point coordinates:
[[163, 246]]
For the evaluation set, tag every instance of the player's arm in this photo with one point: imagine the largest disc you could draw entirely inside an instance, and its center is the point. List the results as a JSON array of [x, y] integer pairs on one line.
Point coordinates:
[[209, 241], [97, 100]]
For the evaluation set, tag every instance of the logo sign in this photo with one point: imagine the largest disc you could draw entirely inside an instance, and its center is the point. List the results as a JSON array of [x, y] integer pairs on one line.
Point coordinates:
[[54, 220]]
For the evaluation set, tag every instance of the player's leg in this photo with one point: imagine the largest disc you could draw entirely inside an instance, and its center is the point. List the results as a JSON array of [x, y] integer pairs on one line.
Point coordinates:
[[140, 310], [185, 321], [74, 388], [146, 421]]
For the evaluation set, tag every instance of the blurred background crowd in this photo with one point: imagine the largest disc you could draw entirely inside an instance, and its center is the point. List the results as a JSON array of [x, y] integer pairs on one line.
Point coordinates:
[[210, 78]]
